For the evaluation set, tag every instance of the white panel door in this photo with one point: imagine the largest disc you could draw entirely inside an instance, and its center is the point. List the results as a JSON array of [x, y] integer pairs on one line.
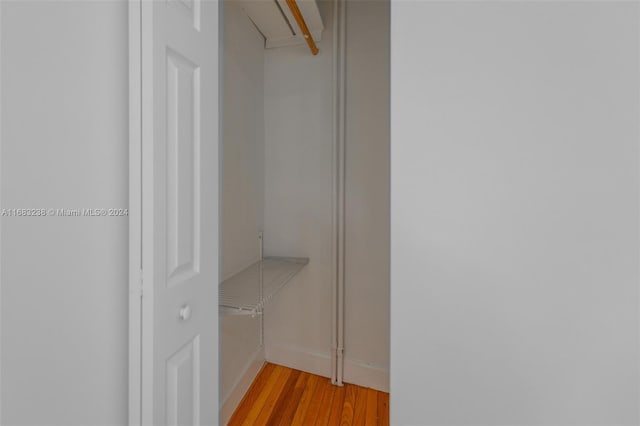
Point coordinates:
[[180, 212]]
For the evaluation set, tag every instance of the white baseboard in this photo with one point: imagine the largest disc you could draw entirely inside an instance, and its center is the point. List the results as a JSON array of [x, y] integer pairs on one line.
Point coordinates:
[[233, 398], [367, 375], [299, 359], [356, 372]]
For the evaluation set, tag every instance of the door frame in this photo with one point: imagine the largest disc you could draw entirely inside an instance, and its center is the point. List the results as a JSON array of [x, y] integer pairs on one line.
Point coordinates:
[[135, 213]]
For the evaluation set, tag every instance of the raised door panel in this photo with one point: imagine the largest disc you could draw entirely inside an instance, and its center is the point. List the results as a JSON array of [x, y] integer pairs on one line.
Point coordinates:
[[183, 385], [183, 168]]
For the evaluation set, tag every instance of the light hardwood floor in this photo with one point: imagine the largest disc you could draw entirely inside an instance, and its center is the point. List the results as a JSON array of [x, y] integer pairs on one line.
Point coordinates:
[[282, 396]]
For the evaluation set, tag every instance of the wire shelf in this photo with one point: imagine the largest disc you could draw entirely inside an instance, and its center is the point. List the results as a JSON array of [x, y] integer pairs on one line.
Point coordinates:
[[241, 294]]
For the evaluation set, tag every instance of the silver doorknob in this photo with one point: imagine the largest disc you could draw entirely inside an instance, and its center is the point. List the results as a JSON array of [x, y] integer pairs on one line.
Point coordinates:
[[185, 312]]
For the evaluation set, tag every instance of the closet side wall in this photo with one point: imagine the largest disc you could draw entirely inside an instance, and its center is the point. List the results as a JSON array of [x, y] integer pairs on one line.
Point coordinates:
[[367, 194], [515, 213], [242, 190], [243, 140], [298, 206]]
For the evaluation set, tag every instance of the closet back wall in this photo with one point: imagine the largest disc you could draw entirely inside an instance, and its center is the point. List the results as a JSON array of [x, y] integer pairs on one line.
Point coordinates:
[[299, 108], [298, 198]]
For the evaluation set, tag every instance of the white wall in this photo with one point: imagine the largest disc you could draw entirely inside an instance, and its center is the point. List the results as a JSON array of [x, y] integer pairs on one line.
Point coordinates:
[[243, 140], [367, 194], [515, 238], [298, 197], [64, 280], [242, 191]]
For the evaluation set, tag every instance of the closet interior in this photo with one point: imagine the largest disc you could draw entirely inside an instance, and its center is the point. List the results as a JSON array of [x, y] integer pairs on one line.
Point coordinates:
[[304, 192]]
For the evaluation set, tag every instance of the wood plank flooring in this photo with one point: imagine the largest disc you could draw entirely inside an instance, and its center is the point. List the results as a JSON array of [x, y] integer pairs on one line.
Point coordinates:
[[286, 397]]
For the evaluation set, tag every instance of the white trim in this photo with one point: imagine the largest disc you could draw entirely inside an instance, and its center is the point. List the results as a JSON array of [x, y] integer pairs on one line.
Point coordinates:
[[359, 372], [364, 374], [135, 218], [638, 18], [231, 401], [1, 3], [147, 209], [299, 359]]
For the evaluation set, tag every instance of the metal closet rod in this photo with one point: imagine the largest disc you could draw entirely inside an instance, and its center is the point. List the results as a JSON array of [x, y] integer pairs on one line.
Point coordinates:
[[293, 6]]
